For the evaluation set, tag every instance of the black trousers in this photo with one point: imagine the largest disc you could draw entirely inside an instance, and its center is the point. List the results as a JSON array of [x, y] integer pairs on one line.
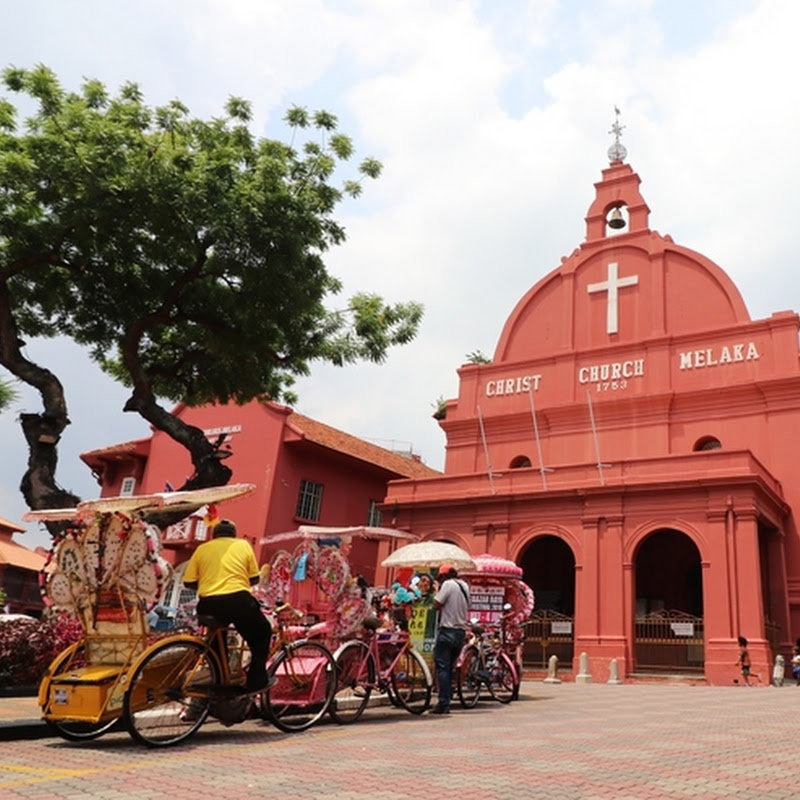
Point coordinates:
[[243, 610]]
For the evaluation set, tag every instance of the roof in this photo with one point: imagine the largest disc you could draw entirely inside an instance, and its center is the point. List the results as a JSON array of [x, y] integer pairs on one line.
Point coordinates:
[[15, 555], [12, 527], [117, 452], [334, 439]]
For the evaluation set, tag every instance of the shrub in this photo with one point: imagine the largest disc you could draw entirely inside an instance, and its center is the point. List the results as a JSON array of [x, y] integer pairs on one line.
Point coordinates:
[[27, 646]]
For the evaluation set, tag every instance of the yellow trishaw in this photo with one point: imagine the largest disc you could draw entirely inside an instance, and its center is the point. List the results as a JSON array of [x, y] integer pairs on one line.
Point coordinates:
[[106, 568]]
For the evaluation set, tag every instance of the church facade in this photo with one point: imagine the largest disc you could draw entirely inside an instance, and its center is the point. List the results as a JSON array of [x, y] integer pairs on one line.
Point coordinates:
[[633, 446]]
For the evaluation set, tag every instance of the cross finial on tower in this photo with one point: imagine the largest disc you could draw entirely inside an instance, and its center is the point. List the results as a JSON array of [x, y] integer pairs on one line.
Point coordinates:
[[617, 151]]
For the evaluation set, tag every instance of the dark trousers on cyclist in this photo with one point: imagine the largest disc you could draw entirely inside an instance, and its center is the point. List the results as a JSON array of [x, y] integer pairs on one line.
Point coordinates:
[[449, 642], [243, 610]]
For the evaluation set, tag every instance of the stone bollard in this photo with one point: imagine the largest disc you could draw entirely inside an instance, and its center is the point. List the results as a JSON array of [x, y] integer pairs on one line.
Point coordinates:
[[613, 672], [583, 675], [552, 670], [779, 670]]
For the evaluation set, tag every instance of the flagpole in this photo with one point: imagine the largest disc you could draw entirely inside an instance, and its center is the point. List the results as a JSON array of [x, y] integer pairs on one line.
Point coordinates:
[[600, 465], [542, 469], [485, 449]]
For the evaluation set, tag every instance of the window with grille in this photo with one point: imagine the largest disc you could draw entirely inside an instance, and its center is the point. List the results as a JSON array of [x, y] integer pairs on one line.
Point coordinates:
[[373, 514], [128, 485], [309, 501]]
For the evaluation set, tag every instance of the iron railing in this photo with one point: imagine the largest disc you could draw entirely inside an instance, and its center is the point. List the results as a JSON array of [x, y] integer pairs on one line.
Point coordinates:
[[548, 633], [669, 640]]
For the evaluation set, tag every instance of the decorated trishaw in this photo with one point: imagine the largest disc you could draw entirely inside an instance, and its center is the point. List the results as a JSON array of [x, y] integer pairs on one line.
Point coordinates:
[[318, 571], [327, 573], [106, 568], [500, 602]]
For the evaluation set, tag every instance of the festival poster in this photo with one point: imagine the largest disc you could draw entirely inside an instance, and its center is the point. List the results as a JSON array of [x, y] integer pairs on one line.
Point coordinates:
[[422, 629], [486, 603]]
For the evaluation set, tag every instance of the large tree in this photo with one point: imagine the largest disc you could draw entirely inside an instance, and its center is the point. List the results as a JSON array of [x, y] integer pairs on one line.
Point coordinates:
[[186, 254]]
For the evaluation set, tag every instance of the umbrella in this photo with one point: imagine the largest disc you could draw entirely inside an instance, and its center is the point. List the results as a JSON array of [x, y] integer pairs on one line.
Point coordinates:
[[321, 532], [429, 554], [494, 566]]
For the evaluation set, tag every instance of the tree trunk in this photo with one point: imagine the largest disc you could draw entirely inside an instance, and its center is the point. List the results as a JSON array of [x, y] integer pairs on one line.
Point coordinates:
[[43, 430], [206, 456]]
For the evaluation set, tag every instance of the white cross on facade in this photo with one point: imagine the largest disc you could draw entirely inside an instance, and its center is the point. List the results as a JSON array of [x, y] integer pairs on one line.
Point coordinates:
[[612, 285]]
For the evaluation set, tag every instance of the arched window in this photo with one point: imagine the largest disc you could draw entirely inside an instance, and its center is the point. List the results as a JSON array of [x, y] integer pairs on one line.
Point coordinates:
[[520, 462], [707, 443]]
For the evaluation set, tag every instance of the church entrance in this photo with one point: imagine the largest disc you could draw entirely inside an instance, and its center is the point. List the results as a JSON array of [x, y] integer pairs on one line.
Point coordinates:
[[548, 567], [668, 628]]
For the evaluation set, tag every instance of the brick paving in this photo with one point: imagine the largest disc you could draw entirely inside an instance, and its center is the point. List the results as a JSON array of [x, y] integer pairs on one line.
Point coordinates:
[[557, 742]]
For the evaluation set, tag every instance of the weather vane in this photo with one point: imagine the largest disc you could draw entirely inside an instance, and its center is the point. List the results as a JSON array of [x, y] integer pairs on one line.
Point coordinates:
[[617, 151]]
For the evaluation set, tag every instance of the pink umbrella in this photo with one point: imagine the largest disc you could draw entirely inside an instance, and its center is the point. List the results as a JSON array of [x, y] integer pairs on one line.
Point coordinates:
[[494, 566]]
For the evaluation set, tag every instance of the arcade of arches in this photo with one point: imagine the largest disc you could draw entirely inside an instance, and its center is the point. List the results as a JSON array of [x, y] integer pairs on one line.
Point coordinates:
[[640, 427]]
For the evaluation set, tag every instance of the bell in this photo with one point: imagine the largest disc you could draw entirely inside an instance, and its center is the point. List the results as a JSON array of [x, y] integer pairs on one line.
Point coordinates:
[[616, 220]]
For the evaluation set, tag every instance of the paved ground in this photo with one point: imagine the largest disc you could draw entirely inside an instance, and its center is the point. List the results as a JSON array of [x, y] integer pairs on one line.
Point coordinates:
[[630, 742]]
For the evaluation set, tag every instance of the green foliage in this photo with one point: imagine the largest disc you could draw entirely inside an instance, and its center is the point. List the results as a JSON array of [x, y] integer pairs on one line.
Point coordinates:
[[185, 253], [477, 357], [8, 395], [440, 408]]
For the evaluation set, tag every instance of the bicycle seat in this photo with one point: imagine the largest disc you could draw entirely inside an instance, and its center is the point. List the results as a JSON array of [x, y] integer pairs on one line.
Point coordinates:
[[477, 629], [372, 623]]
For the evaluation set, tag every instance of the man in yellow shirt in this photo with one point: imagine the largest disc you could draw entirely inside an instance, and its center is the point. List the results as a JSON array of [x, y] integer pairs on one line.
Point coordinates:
[[222, 570]]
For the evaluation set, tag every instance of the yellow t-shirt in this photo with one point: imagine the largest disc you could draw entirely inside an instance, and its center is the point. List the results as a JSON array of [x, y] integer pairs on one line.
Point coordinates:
[[222, 566]]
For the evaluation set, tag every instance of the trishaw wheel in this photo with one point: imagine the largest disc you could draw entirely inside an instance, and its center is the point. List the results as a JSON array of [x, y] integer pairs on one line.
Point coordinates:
[[469, 682], [168, 696], [305, 676], [75, 731], [504, 678], [411, 682], [355, 677]]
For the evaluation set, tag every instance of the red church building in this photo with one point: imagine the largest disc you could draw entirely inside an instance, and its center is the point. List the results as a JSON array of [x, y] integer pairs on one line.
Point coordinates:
[[633, 446]]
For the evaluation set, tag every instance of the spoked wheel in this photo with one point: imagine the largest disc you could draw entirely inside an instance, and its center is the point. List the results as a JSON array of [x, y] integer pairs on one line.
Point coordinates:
[[355, 677], [469, 682], [411, 682], [306, 683], [73, 730], [169, 693], [504, 678]]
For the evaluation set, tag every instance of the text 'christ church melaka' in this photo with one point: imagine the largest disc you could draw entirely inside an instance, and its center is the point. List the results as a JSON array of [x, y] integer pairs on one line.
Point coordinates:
[[633, 446]]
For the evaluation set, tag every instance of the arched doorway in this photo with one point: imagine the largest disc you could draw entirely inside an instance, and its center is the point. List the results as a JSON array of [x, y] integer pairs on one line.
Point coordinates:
[[548, 567], [668, 627]]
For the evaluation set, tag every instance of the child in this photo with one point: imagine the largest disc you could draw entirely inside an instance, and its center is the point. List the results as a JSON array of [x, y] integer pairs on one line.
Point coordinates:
[[796, 664], [744, 662]]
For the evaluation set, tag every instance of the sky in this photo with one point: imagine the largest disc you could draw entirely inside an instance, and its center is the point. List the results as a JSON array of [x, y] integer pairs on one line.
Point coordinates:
[[492, 119]]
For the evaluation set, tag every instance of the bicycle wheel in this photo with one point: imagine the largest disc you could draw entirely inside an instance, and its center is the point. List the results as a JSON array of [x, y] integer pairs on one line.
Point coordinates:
[[169, 694], [411, 682], [75, 731], [305, 674], [74, 657], [504, 677], [355, 677], [469, 682]]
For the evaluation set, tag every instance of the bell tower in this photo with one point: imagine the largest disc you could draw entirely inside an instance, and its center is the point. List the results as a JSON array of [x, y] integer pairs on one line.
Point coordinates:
[[617, 195]]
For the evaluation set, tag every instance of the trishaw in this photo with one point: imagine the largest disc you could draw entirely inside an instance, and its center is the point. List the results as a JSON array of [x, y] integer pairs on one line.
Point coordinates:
[[500, 603], [322, 576], [106, 568]]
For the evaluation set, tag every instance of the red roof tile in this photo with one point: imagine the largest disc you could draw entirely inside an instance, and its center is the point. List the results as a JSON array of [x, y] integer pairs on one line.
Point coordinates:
[[16, 555], [334, 439]]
